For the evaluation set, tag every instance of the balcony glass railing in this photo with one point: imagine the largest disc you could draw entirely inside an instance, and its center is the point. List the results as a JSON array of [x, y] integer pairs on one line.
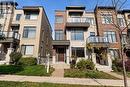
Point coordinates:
[[14, 35], [77, 20], [96, 39]]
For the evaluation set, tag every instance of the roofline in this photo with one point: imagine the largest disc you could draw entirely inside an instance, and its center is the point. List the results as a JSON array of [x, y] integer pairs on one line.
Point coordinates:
[[8, 2], [75, 7]]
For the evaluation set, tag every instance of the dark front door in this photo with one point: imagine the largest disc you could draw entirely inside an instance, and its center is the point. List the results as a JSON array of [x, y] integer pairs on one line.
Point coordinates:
[[61, 52]]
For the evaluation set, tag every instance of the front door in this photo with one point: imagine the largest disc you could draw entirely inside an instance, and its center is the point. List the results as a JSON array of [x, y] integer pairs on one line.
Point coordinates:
[[61, 52]]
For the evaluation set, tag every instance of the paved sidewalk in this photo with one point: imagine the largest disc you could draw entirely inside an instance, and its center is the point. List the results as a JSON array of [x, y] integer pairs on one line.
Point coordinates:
[[58, 73], [102, 82]]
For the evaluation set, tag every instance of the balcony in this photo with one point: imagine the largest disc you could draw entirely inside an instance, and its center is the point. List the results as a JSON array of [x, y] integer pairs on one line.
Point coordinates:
[[77, 22], [7, 37], [97, 41]]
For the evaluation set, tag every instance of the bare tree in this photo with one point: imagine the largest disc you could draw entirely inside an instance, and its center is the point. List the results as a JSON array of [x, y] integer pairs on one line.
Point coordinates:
[[118, 5]]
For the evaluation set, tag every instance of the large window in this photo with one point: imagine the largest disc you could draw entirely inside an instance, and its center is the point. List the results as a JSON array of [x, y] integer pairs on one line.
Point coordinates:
[[18, 16], [59, 35], [107, 19], [77, 34], [27, 49], [121, 22], [31, 16], [90, 20], [59, 19], [111, 36], [114, 53], [29, 32], [77, 52]]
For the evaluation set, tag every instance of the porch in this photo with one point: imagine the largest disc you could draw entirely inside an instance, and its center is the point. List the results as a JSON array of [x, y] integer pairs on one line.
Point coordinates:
[[61, 51], [9, 42], [100, 55]]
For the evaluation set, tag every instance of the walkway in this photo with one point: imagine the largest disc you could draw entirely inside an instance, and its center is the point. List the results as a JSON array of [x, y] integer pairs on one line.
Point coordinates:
[[116, 75], [58, 73], [102, 82]]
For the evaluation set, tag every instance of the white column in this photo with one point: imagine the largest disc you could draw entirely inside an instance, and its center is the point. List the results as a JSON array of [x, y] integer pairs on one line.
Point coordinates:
[[7, 59], [54, 59], [94, 58], [109, 60], [67, 56], [0, 48]]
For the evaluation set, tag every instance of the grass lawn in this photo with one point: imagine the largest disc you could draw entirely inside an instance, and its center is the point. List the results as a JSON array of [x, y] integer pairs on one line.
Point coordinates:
[[29, 84], [75, 73], [36, 70]]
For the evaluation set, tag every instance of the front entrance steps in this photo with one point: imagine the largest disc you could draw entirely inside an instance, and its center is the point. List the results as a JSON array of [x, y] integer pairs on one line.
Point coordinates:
[[103, 68], [61, 65]]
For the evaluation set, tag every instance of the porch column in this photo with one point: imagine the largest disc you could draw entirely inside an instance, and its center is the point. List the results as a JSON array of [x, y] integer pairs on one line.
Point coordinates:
[[94, 58], [9, 51], [54, 56], [109, 60], [67, 56], [0, 48]]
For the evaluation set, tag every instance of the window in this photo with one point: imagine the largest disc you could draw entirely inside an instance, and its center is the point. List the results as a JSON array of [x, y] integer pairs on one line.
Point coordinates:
[[114, 53], [92, 33], [124, 37], [90, 20], [59, 19], [29, 32], [77, 34], [77, 52], [59, 35], [106, 19], [121, 22], [18, 16], [27, 49], [31, 16], [111, 36]]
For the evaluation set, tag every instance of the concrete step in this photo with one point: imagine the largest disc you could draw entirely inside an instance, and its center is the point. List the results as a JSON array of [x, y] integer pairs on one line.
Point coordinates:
[[61, 66], [103, 68]]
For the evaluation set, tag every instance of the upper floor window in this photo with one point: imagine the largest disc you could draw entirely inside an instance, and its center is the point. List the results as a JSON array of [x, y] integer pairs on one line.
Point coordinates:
[[124, 38], [111, 35], [31, 16], [90, 20], [107, 19], [29, 32], [121, 22], [59, 35], [77, 34], [59, 19], [92, 33], [18, 16]]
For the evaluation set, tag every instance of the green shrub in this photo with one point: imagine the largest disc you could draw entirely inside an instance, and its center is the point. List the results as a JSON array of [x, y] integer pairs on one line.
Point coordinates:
[[85, 64], [28, 61], [117, 65], [72, 64], [15, 57], [10, 69]]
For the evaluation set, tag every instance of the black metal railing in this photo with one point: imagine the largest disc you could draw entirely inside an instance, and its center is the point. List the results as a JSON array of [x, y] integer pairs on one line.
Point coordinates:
[[5, 34], [97, 39]]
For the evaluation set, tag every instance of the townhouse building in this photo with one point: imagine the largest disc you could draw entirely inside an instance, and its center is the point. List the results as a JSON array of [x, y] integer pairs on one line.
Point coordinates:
[[76, 28], [26, 30]]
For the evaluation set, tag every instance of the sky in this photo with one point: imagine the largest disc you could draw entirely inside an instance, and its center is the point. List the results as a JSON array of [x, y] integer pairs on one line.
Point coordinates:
[[51, 5]]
